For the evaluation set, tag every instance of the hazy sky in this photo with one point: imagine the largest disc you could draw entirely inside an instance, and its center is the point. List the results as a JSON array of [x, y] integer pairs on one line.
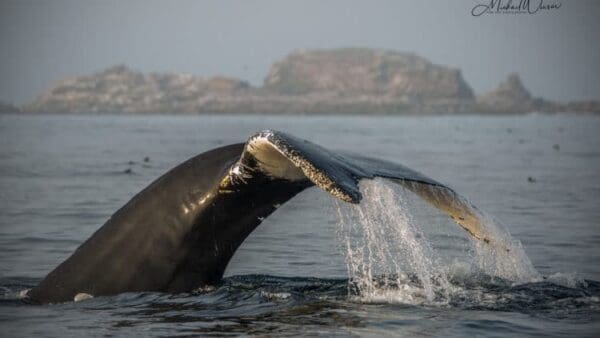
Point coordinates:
[[556, 52]]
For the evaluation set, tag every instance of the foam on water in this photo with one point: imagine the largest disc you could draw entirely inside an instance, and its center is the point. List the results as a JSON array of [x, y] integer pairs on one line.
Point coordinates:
[[390, 259]]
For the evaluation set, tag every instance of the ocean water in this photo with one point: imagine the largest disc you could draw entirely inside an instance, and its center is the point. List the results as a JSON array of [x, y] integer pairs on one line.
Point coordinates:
[[391, 266]]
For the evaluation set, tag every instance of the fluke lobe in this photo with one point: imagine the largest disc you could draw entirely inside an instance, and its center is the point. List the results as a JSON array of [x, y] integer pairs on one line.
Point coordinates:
[[180, 232]]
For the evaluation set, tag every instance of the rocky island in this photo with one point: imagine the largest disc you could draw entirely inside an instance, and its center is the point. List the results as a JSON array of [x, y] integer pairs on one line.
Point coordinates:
[[348, 81]]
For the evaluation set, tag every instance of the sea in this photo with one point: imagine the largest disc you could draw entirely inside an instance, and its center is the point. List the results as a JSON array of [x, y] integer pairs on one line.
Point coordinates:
[[390, 266]]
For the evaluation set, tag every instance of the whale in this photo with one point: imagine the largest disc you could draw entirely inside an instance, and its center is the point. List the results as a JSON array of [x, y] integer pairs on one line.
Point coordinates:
[[179, 233]]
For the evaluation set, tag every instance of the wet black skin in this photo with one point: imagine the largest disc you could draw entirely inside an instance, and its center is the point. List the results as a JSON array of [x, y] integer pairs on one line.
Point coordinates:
[[180, 232], [152, 244]]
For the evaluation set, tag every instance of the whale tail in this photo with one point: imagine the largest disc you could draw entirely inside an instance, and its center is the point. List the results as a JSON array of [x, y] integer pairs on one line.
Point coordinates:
[[181, 231], [282, 156]]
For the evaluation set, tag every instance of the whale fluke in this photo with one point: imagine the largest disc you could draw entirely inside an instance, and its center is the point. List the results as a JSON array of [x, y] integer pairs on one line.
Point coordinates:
[[180, 232]]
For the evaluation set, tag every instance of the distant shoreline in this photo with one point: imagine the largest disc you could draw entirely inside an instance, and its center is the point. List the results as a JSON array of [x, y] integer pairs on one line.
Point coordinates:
[[345, 81]]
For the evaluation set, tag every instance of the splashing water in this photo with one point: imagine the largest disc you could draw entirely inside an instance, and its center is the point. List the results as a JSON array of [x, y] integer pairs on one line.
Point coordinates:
[[389, 258], [507, 259]]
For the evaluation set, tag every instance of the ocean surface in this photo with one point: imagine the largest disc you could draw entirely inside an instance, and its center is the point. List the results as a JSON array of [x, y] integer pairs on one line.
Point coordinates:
[[391, 266]]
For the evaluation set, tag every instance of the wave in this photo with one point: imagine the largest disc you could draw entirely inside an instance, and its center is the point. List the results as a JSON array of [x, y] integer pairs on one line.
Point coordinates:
[[555, 295]]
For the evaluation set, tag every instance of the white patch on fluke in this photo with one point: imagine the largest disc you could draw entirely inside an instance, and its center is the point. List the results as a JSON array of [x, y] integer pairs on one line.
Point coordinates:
[[271, 159], [82, 296], [277, 158], [235, 170], [23, 293], [274, 155]]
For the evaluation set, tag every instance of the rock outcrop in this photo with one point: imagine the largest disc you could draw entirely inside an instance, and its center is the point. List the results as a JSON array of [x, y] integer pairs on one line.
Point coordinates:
[[358, 80], [348, 80], [352, 71], [511, 97], [120, 89]]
